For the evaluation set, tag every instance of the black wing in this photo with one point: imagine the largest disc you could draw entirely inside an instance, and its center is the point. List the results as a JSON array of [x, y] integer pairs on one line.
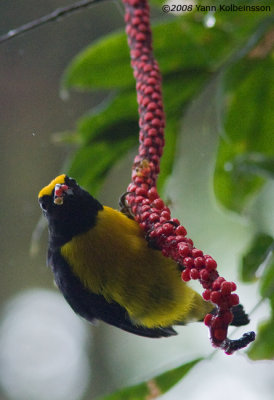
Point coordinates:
[[93, 306]]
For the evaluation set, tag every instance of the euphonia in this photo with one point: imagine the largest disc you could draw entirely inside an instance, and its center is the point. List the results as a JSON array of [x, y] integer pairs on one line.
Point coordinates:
[[106, 270]]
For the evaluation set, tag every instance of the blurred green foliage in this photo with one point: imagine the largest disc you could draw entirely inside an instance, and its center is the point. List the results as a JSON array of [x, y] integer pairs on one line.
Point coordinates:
[[258, 263], [154, 387], [238, 51]]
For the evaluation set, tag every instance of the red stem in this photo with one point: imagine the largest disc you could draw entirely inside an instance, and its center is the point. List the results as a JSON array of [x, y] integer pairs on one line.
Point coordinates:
[[149, 210]]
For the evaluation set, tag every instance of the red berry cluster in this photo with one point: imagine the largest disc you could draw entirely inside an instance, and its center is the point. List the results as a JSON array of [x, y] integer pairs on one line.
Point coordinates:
[[149, 93], [149, 209]]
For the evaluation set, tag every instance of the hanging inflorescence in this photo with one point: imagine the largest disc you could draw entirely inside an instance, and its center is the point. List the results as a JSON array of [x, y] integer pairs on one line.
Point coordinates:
[[149, 210]]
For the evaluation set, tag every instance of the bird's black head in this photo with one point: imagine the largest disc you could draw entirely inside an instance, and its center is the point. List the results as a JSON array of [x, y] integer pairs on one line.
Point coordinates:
[[70, 210]]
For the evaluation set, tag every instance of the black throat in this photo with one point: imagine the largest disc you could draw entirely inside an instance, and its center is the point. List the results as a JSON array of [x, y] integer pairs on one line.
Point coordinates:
[[70, 219]]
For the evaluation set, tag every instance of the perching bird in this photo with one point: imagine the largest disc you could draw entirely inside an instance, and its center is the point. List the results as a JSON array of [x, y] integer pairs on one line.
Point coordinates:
[[105, 269]]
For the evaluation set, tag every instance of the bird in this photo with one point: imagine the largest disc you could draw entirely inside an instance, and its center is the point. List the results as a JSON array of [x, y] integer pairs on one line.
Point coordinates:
[[106, 270]]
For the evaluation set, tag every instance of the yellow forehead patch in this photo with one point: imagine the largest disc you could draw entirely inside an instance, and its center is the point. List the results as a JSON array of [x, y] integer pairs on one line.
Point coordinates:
[[47, 190]]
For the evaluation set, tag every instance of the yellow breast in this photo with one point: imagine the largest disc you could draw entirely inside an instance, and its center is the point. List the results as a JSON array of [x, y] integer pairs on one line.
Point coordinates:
[[113, 259]]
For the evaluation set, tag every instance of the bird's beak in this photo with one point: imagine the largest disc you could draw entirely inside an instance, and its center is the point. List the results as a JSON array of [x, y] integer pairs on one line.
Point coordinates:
[[60, 191]]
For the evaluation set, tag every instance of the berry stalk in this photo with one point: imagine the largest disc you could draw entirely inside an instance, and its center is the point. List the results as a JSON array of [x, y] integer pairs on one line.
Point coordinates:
[[149, 210]]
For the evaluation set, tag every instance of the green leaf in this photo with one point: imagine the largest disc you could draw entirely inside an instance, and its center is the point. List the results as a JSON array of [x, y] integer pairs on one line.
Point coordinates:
[[117, 118], [154, 387], [178, 45], [91, 163], [263, 347], [102, 122], [248, 132], [256, 164], [104, 64], [267, 280], [255, 256]]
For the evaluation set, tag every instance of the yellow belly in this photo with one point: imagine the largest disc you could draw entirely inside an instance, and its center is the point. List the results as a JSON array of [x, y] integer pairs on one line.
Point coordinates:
[[113, 259]]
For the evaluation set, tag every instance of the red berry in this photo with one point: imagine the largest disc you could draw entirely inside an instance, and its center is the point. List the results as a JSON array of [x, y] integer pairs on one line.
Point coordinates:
[[156, 96], [127, 17], [151, 106], [141, 191], [210, 264], [215, 297], [156, 121], [188, 262], [152, 150], [135, 21], [199, 262], [197, 253], [147, 68], [159, 231], [226, 288], [58, 192], [206, 294], [233, 300], [148, 116], [194, 273], [140, 36], [170, 241], [145, 101], [204, 275], [139, 199], [159, 113], [167, 229], [147, 142], [180, 231], [189, 241], [152, 131], [183, 249], [142, 28], [152, 193], [186, 275], [165, 214], [145, 215], [153, 234], [131, 187], [175, 221], [233, 286], [217, 283], [152, 82], [208, 319], [159, 204], [180, 239], [154, 217], [148, 90], [138, 12], [155, 159]]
